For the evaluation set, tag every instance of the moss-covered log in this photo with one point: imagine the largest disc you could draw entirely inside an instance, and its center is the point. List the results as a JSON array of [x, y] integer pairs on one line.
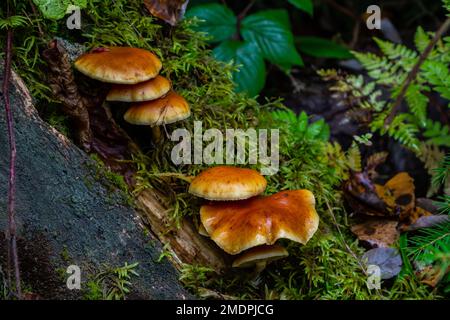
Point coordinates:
[[65, 216]]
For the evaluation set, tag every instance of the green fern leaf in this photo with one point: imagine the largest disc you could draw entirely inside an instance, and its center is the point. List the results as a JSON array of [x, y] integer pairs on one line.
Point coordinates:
[[417, 103], [437, 74], [404, 132], [421, 39]]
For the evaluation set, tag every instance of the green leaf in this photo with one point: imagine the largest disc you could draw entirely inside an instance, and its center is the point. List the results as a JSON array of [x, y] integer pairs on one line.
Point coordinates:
[[302, 122], [417, 103], [437, 73], [323, 48], [421, 39], [218, 21], [304, 5], [270, 31], [315, 129], [56, 9], [251, 75]]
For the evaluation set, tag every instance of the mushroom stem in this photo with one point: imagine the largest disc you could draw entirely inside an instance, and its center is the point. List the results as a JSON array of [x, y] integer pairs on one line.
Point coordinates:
[[157, 134], [259, 267]]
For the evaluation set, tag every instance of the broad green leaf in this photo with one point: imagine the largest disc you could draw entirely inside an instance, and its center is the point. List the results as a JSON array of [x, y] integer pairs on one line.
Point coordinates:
[[218, 21], [56, 9], [304, 5], [323, 48], [251, 74], [270, 31]]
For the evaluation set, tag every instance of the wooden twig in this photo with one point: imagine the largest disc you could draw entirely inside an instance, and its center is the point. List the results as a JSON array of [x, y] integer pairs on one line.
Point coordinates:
[[11, 234], [413, 73]]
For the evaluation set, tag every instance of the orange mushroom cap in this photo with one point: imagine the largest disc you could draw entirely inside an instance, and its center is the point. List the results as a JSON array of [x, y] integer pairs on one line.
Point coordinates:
[[122, 65], [168, 109], [144, 91], [228, 183], [240, 225]]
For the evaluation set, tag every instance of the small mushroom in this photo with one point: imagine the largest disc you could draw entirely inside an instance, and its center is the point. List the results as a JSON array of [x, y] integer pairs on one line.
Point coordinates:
[[228, 183], [168, 109], [123, 65], [236, 226], [144, 91], [260, 257]]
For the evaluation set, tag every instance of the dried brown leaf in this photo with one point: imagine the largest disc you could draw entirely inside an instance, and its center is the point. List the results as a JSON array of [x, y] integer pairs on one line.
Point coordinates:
[[171, 11]]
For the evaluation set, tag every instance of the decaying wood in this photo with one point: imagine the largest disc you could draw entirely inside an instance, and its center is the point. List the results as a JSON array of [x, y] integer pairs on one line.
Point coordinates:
[[62, 83], [187, 245]]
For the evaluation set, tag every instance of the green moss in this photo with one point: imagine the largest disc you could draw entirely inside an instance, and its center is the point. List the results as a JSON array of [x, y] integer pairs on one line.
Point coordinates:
[[110, 283], [115, 183], [65, 254]]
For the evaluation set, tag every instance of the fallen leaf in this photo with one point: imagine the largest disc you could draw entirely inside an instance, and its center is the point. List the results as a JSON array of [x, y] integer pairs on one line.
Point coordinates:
[[428, 205], [432, 275], [387, 259], [398, 193], [411, 217], [427, 222], [171, 11], [361, 194], [376, 232]]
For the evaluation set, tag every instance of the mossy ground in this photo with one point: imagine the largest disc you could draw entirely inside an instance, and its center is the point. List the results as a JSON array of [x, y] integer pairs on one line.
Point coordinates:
[[328, 267]]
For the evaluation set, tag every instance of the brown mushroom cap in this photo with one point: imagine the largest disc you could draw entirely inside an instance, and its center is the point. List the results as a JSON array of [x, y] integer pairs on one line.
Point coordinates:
[[239, 225], [122, 65], [144, 91], [228, 183], [168, 109], [259, 254]]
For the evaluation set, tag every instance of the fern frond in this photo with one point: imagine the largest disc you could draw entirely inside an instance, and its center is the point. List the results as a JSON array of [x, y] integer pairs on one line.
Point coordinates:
[[421, 39], [404, 132], [437, 74], [379, 68], [441, 174], [13, 22], [437, 133], [398, 53], [354, 158], [417, 102]]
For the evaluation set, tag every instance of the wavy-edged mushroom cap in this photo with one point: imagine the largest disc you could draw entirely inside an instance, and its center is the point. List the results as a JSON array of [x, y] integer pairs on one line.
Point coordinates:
[[228, 183], [261, 254], [122, 65], [144, 91], [239, 225], [168, 109]]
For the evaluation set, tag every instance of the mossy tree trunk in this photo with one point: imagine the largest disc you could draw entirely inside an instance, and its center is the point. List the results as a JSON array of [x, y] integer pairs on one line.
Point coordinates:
[[65, 216]]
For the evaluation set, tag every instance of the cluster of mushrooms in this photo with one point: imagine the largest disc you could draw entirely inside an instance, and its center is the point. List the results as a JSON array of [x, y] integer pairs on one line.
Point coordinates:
[[134, 75], [239, 220]]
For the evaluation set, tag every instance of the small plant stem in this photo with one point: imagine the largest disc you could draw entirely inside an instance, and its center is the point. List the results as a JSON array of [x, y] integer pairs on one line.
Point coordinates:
[[176, 175], [413, 73], [12, 240], [240, 17]]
